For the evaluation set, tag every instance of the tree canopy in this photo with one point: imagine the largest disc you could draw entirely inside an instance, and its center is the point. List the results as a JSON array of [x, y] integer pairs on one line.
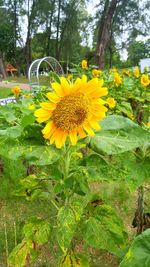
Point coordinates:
[[63, 29]]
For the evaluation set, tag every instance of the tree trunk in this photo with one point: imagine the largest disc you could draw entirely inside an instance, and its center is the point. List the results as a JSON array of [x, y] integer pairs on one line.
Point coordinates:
[[49, 29], [2, 68], [110, 57], [57, 32], [104, 35], [28, 54]]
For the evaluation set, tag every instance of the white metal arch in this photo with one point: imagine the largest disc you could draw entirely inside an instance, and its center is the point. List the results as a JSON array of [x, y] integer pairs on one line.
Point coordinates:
[[33, 73]]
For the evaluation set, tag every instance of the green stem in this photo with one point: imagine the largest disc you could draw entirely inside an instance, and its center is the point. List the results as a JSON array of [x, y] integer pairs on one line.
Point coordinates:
[[140, 210], [66, 161], [66, 157]]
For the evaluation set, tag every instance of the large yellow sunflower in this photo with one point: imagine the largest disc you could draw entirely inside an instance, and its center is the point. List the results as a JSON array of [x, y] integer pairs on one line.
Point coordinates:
[[73, 110]]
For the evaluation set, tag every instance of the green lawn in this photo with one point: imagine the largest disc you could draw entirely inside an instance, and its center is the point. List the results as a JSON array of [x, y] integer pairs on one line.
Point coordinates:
[[5, 92], [16, 79]]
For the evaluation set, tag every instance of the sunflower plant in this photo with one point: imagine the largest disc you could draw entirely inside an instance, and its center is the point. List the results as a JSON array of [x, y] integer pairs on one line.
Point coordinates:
[[70, 143]]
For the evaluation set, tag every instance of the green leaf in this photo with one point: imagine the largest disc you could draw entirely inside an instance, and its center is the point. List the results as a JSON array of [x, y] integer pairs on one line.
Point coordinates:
[[42, 155], [37, 154], [66, 227], [137, 172], [67, 220], [118, 135], [124, 166], [54, 76], [73, 260], [104, 230], [14, 132], [139, 253], [7, 113], [37, 231], [27, 120], [18, 256], [99, 169]]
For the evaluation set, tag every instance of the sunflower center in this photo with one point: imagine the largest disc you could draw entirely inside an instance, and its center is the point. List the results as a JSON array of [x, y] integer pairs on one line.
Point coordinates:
[[71, 112]]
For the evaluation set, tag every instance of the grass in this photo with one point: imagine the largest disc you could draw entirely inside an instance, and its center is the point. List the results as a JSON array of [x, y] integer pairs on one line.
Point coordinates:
[[16, 79], [5, 92], [44, 80]]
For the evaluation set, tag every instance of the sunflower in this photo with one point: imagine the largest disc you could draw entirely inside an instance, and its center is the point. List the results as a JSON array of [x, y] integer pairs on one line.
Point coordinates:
[[145, 81], [111, 102], [84, 64], [136, 72], [72, 110], [117, 79], [16, 90], [148, 124], [96, 73]]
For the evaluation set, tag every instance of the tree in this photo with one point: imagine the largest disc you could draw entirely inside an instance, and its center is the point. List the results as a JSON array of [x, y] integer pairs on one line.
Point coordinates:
[[117, 22], [105, 28], [138, 50]]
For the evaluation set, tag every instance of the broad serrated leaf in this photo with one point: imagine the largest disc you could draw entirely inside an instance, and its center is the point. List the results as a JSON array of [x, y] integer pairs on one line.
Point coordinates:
[[66, 227], [37, 231], [42, 155], [67, 220], [35, 154], [54, 76], [18, 256], [27, 120], [118, 135], [139, 253], [73, 260], [137, 172], [14, 132], [104, 230]]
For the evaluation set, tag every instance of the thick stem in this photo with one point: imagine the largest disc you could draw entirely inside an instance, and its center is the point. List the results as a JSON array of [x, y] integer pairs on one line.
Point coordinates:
[[140, 210], [66, 161], [6, 243]]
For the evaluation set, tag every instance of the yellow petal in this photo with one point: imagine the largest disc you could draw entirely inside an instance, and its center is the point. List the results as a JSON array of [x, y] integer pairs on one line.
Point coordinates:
[[42, 115], [60, 138], [48, 106], [57, 88], [82, 133], [99, 116], [96, 109], [103, 91], [94, 125], [65, 85], [88, 129], [52, 138], [101, 82], [53, 97], [73, 137], [84, 79], [49, 130]]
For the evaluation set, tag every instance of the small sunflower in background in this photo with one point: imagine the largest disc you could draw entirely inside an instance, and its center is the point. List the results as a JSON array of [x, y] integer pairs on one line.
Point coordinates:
[[96, 73], [111, 102], [136, 72], [145, 81], [31, 106], [84, 64], [16, 90], [148, 124], [126, 72], [73, 110], [117, 79]]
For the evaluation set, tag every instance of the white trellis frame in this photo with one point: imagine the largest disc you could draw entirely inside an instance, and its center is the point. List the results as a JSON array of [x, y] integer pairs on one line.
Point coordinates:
[[33, 73]]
